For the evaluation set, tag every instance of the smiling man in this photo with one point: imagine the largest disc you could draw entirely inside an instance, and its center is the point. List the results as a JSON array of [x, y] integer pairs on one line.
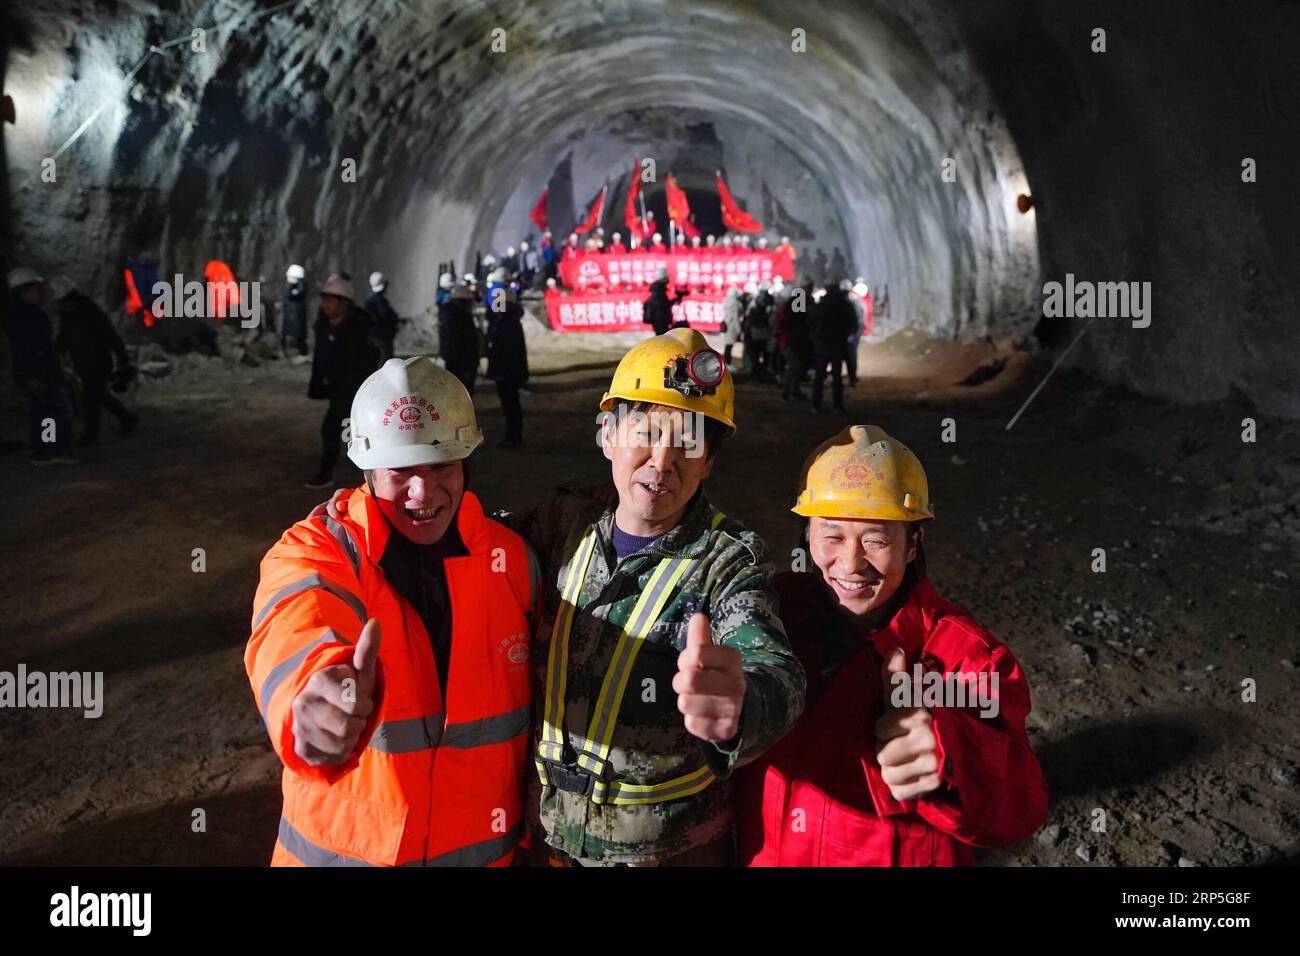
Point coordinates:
[[660, 659], [411, 753], [870, 776]]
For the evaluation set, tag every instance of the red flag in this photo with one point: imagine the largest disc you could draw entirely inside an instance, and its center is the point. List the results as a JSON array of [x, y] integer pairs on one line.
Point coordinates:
[[593, 214], [538, 215], [733, 217], [631, 214], [679, 210]]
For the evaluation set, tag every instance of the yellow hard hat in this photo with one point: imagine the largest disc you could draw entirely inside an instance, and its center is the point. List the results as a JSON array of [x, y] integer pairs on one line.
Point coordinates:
[[864, 473], [679, 370]]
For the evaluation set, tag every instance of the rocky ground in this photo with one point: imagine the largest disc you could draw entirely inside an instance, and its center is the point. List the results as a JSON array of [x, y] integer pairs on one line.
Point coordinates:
[[1137, 673]]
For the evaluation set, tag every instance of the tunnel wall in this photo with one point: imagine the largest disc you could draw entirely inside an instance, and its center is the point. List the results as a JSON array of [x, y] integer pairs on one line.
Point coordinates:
[[1132, 155], [1135, 156]]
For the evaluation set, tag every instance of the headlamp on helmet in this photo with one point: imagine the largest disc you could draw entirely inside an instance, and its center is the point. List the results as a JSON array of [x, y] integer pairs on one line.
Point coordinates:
[[697, 374]]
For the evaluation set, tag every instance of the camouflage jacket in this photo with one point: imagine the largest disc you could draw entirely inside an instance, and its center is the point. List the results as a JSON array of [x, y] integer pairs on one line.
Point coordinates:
[[729, 580]]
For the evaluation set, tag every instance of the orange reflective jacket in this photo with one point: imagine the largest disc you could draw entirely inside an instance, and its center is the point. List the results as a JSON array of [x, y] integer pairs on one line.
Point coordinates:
[[432, 782]]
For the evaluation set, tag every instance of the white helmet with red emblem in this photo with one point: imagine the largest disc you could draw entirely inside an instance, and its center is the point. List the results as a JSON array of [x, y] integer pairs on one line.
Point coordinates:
[[412, 412]]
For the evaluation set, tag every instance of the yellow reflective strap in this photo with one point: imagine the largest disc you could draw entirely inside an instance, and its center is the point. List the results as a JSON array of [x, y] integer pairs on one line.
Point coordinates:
[[718, 518], [654, 596], [626, 794], [551, 746]]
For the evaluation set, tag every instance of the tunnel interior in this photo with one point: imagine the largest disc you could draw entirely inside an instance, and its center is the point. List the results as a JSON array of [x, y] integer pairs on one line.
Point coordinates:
[[965, 157]]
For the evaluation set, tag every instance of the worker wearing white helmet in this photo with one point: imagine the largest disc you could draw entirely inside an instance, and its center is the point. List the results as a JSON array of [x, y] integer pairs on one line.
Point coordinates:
[[446, 281], [293, 325], [344, 356], [383, 333], [434, 729]]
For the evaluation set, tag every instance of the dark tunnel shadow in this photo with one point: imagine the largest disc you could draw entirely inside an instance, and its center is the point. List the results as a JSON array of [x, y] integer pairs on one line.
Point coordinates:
[[241, 829], [1125, 753], [130, 643]]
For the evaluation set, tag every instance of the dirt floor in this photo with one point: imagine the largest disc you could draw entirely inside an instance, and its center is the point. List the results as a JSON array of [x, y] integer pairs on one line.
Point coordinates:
[[1136, 673]]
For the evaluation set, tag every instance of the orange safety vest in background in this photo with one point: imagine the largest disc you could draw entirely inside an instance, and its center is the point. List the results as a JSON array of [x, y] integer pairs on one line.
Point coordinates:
[[432, 782]]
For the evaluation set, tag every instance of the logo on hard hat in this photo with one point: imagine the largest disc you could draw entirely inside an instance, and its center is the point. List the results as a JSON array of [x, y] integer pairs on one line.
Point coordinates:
[[407, 408], [855, 474]]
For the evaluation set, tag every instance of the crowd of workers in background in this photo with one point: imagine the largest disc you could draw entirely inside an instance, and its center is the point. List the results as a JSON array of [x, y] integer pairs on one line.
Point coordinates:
[[791, 336]]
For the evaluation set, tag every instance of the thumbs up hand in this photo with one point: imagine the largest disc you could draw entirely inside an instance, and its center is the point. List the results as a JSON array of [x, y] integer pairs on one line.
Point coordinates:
[[905, 741], [710, 684], [332, 710]]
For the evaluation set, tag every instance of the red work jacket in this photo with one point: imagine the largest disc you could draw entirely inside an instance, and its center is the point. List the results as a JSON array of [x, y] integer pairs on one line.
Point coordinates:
[[818, 799]]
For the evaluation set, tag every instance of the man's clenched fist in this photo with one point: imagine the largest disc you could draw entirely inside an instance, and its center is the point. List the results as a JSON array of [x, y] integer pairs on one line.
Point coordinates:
[[905, 741], [330, 713], [709, 683]]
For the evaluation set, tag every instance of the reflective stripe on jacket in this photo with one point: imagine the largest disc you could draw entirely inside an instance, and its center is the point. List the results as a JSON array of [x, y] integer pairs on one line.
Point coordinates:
[[432, 782], [818, 797]]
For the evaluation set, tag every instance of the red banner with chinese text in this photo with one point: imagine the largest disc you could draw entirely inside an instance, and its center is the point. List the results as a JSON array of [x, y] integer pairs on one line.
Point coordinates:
[[716, 271], [621, 311]]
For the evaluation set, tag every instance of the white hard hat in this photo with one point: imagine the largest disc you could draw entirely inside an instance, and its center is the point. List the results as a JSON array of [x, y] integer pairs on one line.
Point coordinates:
[[551, 284], [617, 236], [785, 240], [762, 240], [733, 293], [412, 412], [658, 237], [446, 280], [499, 275], [377, 282], [860, 289], [751, 288], [24, 275], [510, 250], [337, 285], [661, 272], [846, 285], [295, 273], [524, 246], [600, 231], [471, 278], [489, 259]]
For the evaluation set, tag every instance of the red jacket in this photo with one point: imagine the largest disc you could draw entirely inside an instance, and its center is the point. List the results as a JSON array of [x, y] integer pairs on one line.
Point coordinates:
[[818, 799]]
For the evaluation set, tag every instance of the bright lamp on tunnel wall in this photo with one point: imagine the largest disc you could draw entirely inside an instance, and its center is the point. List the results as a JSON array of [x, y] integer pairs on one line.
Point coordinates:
[[1024, 202]]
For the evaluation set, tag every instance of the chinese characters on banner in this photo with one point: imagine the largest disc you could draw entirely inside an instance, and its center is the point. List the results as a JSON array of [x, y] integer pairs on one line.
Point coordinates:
[[691, 270], [621, 312]]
